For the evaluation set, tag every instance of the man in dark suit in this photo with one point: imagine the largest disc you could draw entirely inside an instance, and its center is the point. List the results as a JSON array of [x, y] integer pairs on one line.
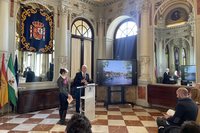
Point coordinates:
[[30, 76], [81, 79], [185, 110], [166, 77]]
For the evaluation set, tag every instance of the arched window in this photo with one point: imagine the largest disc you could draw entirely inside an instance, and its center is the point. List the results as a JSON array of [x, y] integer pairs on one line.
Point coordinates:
[[128, 28], [81, 28], [125, 40], [81, 46]]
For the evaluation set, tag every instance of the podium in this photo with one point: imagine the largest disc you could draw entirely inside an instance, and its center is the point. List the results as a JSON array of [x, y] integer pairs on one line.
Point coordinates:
[[89, 105]]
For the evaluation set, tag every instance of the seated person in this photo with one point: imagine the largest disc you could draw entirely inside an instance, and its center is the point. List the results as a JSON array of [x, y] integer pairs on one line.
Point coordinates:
[[190, 127], [78, 124], [186, 109], [175, 77], [195, 95], [24, 75], [30, 76]]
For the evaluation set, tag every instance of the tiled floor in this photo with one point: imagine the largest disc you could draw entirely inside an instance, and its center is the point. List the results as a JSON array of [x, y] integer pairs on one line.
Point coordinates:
[[117, 119]]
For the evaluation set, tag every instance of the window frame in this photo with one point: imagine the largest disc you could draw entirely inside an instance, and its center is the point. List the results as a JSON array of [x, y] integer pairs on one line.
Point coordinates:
[[121, 23], [82, 38]]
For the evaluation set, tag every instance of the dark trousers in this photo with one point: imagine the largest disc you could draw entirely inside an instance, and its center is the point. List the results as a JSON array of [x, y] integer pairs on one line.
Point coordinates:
[[63, 108], [78, 99], [63, 101], [161, 122]]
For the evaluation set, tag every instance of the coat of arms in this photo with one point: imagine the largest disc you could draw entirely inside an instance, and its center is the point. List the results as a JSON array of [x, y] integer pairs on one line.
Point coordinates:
[[38, 31], [2, 84]]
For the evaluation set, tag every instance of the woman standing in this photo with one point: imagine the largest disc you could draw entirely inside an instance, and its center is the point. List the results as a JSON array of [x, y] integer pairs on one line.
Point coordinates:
[[63, 95]]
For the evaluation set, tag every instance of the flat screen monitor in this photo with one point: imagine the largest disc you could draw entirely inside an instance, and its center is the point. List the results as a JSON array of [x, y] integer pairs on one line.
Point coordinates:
[[188, 72], [116, 72]]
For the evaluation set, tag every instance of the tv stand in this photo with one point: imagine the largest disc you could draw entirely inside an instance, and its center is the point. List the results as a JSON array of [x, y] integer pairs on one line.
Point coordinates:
[[122, 97]]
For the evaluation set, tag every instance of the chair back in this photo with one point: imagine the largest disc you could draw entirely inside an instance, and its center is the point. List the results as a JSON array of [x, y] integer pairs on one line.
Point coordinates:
[[172, 129], [198, 116]]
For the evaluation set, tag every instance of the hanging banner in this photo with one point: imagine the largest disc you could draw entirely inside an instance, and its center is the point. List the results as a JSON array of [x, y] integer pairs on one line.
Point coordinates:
[[176, 55], [36, 30]]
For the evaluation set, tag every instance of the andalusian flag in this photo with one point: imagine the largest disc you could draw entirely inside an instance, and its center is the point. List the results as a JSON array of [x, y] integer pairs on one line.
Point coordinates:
[[12, 84], [4, 86]]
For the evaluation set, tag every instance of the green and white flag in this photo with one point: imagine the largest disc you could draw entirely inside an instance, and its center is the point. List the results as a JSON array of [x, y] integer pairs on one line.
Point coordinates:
[[12, 84]]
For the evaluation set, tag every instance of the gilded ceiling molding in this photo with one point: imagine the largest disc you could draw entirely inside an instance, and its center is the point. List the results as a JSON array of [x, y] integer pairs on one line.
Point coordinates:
[[101, 21], [66, 2], [101, 2]]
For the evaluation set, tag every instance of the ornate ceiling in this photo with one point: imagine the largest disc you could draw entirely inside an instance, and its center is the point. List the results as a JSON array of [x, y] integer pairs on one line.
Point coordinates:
[[100, 2]]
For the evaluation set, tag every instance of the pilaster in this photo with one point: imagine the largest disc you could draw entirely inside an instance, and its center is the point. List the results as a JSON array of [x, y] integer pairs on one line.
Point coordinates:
[[4, 24], [100, 37], [63, 61]]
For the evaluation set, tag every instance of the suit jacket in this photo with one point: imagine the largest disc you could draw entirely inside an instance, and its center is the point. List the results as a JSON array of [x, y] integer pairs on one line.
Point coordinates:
[[186, 109], [79, 77], [30, 76], [63, 88], [166, 78]]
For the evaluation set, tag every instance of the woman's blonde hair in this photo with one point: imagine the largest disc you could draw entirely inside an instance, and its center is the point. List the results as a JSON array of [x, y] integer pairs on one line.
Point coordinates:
[[195, 94]]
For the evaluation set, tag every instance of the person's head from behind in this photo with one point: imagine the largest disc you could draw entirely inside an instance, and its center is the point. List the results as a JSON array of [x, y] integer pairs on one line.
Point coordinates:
[[29, 68], [78, 124], [167, 69], [182, 93], [195, 94], [190, 127], [63, 72], [84, 68]]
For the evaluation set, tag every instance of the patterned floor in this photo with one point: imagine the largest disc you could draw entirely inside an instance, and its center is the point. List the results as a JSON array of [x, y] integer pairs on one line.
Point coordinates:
[[117, 119]]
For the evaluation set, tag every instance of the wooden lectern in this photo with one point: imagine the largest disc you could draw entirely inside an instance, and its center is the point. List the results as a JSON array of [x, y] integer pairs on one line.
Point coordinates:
[[89, 105]]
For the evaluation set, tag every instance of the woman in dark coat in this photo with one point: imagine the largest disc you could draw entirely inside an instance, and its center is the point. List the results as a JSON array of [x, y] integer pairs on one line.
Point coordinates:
[[63, 95]]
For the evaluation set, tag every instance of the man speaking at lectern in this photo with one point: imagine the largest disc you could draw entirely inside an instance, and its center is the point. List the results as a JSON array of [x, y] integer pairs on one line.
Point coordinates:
[[81, 79]]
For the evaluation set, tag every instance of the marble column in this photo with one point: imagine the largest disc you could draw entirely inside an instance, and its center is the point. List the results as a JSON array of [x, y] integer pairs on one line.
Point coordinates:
[[171, 57], [63, 55], [144, 78], [100, 36], [144, 51], [181, 55], [160, 59], [109, 48], [4, 24]]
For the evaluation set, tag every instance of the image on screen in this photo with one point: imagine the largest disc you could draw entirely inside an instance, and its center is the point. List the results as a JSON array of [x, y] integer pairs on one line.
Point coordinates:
[[189, 73], [117, 72]]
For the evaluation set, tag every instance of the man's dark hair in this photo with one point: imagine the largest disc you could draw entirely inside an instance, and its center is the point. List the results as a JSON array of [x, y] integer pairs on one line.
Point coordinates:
[[29, 68], [78, 124], [190, 127]]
